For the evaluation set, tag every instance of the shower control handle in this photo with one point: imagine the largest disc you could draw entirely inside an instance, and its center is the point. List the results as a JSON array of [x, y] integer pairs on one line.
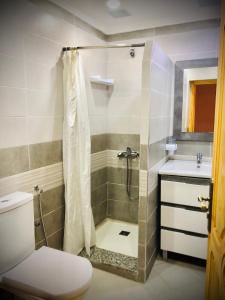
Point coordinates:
[[129, 153], [122, 154]]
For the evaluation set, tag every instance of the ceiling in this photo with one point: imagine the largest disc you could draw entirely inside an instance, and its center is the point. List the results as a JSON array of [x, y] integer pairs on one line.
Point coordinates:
[[131, 15]]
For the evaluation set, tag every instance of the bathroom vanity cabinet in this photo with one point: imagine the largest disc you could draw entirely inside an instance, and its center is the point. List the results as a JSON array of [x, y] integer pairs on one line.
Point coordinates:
[[183, 224]]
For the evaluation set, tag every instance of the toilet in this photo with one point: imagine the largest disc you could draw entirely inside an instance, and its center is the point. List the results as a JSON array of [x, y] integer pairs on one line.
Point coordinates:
[[45, 273]]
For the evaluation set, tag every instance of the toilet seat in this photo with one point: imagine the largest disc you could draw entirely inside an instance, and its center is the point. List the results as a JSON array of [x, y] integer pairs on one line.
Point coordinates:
[[52, 274]]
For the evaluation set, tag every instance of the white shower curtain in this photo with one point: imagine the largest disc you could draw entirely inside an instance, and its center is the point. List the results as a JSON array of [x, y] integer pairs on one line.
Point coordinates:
[[79, 228]]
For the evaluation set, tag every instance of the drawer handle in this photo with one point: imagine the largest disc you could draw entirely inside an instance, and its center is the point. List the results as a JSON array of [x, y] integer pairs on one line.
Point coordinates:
[[203, 203]]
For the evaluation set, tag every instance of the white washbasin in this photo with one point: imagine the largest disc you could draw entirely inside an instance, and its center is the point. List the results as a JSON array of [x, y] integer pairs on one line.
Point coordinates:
[[187, 168]]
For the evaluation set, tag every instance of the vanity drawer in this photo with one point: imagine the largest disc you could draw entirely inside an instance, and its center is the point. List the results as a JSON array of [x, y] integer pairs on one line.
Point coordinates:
[[184, 219], [182, 193], [184, 244]]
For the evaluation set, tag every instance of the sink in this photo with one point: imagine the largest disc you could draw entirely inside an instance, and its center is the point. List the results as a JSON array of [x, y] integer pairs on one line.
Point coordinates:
[[187, 168]]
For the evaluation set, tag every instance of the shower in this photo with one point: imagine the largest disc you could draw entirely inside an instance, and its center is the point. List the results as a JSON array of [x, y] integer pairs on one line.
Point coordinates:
[[115, 149], [129, 155]]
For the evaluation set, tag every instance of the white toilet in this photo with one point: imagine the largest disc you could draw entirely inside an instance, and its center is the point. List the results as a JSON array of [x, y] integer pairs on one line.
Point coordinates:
[[36, 274]]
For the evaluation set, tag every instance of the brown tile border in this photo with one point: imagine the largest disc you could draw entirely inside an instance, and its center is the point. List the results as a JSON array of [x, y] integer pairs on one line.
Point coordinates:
[[123, 210], [144, 157], [119, 192], [14, 161], [45, 154], [117, 141], [118, 176], [99, 195], [98, 178], [98, 143]]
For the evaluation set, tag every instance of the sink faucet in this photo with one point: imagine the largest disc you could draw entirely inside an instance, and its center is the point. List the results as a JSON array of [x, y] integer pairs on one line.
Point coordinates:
[[199, 159]]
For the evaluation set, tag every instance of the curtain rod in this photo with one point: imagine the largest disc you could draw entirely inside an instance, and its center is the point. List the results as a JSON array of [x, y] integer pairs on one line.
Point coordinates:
[[104, 47]]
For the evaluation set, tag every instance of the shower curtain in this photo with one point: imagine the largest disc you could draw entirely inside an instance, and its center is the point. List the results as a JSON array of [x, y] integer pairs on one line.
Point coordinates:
[[79, 230]]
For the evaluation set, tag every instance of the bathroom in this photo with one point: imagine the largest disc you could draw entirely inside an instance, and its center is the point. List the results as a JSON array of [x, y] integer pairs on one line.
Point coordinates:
[[132, 69]]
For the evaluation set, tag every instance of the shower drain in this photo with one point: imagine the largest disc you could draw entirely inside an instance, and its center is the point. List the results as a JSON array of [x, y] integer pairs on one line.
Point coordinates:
[[125, 233]]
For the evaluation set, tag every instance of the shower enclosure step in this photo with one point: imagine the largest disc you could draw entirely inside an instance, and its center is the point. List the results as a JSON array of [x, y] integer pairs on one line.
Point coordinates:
[[109, 237]]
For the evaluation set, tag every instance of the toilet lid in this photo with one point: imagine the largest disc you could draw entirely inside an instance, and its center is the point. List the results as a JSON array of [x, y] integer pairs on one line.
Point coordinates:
[[52, 274]]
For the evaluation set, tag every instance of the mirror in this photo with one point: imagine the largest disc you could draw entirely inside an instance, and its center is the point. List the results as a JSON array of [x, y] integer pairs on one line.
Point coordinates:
[[199, 98], [194, 103]]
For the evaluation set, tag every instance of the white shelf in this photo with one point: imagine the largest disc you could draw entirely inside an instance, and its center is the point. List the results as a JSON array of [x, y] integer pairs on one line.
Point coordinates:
[[105, 81]]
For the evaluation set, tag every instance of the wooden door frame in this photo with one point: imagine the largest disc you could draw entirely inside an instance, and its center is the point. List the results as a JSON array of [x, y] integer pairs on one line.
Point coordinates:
[[215, 289]]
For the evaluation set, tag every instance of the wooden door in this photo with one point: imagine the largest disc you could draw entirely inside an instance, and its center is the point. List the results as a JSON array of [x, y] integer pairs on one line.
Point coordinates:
[[215, 273]]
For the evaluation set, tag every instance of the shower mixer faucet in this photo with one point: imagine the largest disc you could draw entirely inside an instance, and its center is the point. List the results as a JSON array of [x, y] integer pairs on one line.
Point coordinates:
[[129, 153]]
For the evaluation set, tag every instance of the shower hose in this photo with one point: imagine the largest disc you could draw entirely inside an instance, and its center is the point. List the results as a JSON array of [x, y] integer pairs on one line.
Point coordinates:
[[39, 196], [129, 177]]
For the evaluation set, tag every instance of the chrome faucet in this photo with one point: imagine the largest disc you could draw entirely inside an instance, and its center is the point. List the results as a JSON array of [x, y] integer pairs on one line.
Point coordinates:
[[128, 154], [199, 159]]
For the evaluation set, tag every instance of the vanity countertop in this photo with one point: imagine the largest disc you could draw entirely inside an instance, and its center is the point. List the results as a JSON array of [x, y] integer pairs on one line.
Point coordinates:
[[187, 168]]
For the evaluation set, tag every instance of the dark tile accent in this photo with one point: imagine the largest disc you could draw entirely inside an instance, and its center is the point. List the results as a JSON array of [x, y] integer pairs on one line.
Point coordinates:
[[13, 161], [156, 152], [99, 195], [99, 212], [142, 229], [144, 157], [54, 220], [117, 141], [44, 154], [152, 201], [119, 192], [141, 275], [51, 200], [56, 240], [141, 256], [98, 143], [39, 245], [123, 210], [142, 210], [152, 246], [151, 263], [151, 225], [119, 175], [98, 178]]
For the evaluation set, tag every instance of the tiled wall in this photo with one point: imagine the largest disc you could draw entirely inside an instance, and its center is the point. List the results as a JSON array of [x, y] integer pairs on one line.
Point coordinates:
[[31, 101], [53, 217], [191, 148], [31, 114], [120, 206], [194, 40], [123, 113], [109, 195], [156, 120], [99, 178]]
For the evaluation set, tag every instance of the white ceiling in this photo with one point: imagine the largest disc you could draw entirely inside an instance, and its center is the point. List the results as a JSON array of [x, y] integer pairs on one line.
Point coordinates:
[[143, 14]]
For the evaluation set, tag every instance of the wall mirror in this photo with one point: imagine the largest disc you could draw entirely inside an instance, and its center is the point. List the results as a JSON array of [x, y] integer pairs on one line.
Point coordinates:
[[194, 103]]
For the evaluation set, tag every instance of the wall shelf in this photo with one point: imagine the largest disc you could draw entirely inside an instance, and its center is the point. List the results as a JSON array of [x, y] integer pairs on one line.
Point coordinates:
[[104, 81]]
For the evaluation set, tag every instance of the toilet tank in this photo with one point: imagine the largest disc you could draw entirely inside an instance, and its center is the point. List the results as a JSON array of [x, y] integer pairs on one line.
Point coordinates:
[[16, 229]]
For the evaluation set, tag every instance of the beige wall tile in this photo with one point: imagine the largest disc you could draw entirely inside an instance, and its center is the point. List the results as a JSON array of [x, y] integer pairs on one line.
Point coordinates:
[[13, 132], [12, 71], [12, 102], [44, 129]]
